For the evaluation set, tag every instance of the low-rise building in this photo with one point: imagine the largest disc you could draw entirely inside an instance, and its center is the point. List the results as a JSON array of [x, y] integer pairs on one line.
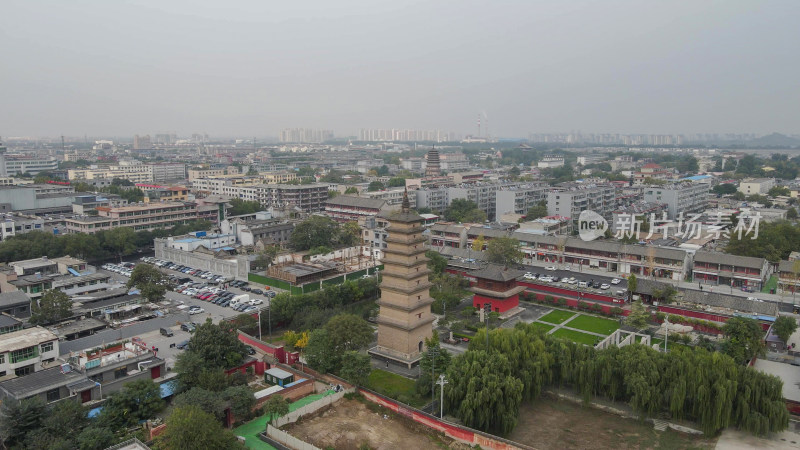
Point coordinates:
[[346, 208], [392, 197], [15, 304], [722, 269], [753, 186], [789, 277], [550, 162], [24, 352], [140, 217]]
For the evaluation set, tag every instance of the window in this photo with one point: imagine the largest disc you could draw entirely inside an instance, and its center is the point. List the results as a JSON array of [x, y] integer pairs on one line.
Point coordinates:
[[22, 371], [3, 358], [23, 354], [53, 395], [120, 373], [47, 347]]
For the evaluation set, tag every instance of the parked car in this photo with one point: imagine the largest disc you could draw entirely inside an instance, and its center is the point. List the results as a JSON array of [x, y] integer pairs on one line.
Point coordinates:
[[196, 310], [256, 301], [188, 327], [550, 268], [183, 345], [616, 281], [250, 350], [257, 291], [605, 286]]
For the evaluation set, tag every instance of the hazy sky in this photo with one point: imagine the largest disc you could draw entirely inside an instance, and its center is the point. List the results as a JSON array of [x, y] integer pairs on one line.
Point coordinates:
[[254, 67]]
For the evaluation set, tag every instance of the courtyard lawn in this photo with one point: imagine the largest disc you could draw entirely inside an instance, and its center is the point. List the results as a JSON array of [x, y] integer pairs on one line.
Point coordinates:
[[556, 316], [577, 336], [594, 324], [395, 386], [543, 326]]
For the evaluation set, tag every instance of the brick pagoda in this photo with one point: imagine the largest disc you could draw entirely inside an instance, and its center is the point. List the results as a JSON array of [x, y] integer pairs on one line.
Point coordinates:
[[404, 320]]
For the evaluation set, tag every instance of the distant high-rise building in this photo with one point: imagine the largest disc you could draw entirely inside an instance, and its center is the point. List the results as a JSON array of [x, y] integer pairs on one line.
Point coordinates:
[[305, 135], [142, 142], [432, 164]]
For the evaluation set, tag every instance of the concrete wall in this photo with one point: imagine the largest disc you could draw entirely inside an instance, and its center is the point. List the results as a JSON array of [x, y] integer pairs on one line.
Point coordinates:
[[235, 266], [288, 440]]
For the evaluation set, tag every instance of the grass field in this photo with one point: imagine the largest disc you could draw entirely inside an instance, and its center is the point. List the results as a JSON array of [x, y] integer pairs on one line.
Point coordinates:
[[395, 386], [556, 316], [543, 326], [594, 324], [576, 336]]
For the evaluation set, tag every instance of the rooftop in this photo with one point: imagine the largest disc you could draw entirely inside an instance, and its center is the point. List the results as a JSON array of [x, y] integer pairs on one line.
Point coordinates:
[[41, 381], [497, 272], [13, 298], [728, 259], [786, 372], [361, 202], [33, 263], [17, 340]]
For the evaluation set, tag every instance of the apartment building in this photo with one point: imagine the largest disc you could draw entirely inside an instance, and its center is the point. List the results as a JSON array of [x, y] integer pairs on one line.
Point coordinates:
[[143, 216], [736, 272], [569, 200], [392, 197], [550, 162], [453, 162], [681, 198], [24, 352], [519, 199], [760, 186], [413, 164], [164, 172], [653, 172], [29, 165], [346, 208], [482, 193], [374, 234], [133, 171], [195, 174]]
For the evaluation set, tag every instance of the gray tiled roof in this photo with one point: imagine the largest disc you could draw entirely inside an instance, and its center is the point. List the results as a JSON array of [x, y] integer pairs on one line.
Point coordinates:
[[497, 272], [41, 381], [733, 260], [13, 298], [730, 302], [360, 202]]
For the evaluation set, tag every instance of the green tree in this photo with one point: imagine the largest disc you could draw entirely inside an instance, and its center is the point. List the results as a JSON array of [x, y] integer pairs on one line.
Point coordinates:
[[633, 283], [149, 280], [462, 210], [447, 290], [276, 407], [666, 294], [427, 372], [266, 257], [53, 306], [319, 352], [436, 262], [191, 427], [95, 438], [537, 212], [217, 345], [64, 418], [355, 368], [209, 401], [639, 316], [504, 250], [121, 241], [241, 400], [138, 400], [375, 186], [18, 418], [784, 327], [316, 231], [348, 332], [479, 243], [483, 393], [791, 213], [397, 182], [744, 339], [777, 191], [240, 207], [351, 190], [724, 189]]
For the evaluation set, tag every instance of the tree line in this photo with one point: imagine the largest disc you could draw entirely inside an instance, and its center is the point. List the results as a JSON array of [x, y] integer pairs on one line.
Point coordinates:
[[104, 244], [710, 388]]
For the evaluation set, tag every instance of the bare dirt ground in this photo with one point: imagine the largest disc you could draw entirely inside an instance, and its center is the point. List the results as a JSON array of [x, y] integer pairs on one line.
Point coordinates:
[[550, 423], [348, 424]]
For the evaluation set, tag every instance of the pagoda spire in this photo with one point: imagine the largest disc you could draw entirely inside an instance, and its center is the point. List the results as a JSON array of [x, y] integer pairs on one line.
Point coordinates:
[[406, 203]]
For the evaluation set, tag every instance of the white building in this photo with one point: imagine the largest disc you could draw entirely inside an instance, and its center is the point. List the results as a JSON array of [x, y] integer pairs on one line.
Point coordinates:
[[551, 161], [758, 186], [26, 351]]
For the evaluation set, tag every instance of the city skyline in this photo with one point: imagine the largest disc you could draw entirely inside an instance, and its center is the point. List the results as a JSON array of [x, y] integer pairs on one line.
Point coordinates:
[[121, 70]]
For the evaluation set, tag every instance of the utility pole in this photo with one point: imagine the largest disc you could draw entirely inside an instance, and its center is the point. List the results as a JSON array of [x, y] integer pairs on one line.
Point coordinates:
[[487, 309], [434, 352], [441, 383], [259, 324], [666, 333]]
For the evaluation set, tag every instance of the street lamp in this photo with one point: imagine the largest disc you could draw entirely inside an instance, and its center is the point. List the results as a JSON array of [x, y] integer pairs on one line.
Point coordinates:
[[434, 352], [441, 383], [666, 333]]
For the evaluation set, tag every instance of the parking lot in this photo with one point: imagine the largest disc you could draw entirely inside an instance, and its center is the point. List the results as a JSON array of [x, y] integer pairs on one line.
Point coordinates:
[[586, 282]]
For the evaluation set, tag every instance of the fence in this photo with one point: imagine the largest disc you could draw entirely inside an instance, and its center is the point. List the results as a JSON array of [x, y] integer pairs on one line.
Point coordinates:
[[460, 433], [311, 407], [287, 439]]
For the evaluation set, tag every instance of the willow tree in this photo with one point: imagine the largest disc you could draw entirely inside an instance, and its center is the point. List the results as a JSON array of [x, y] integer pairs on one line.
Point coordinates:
[[483, 393]]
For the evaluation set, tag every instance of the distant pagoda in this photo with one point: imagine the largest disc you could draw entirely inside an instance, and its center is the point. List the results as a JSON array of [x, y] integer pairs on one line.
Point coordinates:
[[404, 320], [432, 166]]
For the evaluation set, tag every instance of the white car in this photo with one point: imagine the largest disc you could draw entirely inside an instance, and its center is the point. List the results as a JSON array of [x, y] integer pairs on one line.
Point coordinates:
[[550, 268], [605, 286], [529, 276], [616, 281], [196, 310], [256, 301]]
